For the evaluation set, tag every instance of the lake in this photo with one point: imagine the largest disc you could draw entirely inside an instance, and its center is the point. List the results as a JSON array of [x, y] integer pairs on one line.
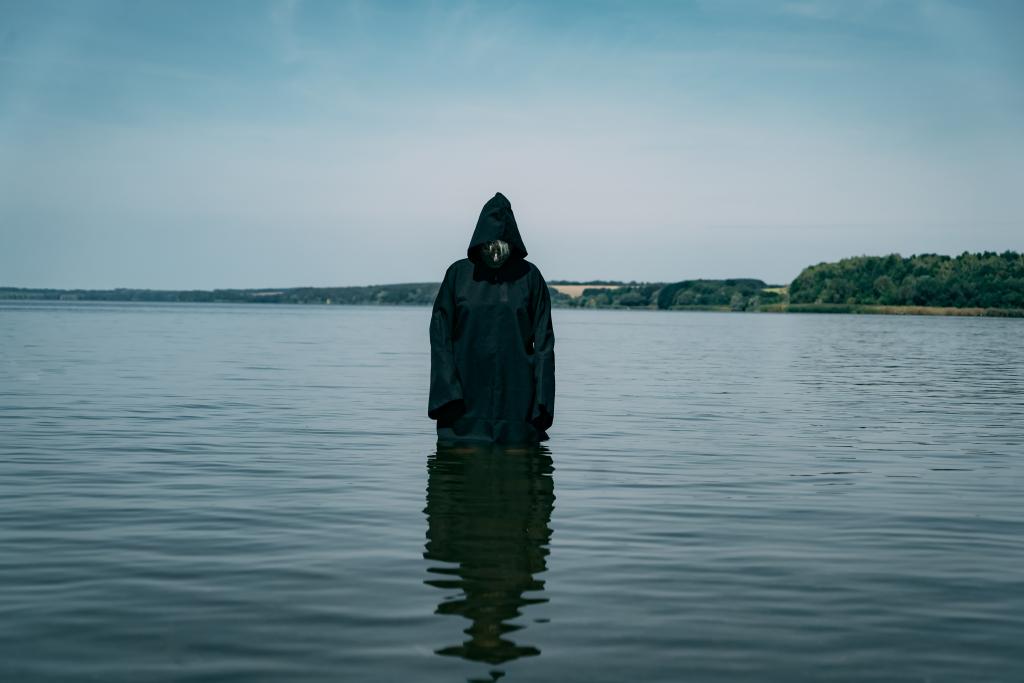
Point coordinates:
[[254, 493]]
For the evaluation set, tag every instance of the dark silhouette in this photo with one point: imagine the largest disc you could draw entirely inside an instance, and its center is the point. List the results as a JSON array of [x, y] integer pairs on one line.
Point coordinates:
[[488, 529], [492, 347]]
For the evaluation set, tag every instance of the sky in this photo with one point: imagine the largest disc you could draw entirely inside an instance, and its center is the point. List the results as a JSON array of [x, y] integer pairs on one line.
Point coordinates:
[[180, 145]]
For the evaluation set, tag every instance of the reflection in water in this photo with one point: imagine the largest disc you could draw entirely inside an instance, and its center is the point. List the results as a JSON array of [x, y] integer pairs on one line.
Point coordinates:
[[488, 528]]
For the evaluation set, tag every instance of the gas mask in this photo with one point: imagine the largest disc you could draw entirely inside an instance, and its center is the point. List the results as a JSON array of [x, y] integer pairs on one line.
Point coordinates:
[[494, 253]]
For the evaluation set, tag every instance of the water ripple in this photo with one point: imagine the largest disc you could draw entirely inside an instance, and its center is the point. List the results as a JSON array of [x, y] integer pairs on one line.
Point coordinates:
[[249, 493]]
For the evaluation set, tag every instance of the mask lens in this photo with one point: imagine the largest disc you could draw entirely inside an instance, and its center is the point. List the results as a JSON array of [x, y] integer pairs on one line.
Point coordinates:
[[495, 253]]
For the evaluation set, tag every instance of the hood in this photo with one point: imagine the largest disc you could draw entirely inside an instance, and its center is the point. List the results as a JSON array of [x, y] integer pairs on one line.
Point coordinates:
[[497, 222]]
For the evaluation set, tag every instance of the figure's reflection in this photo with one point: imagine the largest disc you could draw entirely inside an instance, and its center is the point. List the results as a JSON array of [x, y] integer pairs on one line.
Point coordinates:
[[488, 528]]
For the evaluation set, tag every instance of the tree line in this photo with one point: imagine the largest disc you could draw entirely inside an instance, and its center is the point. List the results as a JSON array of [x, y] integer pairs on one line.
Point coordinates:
[[982, 280], [409, 294], [736, 294], [988, 280]]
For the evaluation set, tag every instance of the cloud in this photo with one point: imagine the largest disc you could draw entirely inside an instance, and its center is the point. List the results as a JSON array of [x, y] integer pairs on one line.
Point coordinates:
[[810, 9]]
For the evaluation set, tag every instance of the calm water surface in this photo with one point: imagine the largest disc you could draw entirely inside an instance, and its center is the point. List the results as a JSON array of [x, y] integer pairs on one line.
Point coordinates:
[[253, 493]]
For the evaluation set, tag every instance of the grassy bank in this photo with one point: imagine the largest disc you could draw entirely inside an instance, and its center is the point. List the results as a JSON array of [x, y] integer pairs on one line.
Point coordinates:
[[894, 310]]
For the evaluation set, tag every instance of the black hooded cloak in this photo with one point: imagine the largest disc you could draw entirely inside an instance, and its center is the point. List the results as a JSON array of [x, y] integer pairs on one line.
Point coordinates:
[[492, 357]]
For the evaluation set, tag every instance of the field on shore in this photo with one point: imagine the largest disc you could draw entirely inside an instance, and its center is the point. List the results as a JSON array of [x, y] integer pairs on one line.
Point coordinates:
[[575, 291]]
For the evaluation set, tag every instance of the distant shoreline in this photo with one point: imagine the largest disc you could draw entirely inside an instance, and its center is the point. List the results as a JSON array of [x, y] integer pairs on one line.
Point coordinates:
[[868, 309], [845, 309], [982, 284]]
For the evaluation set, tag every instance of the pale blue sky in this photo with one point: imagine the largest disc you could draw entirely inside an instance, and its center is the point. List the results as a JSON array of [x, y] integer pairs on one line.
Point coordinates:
[[248, 144]]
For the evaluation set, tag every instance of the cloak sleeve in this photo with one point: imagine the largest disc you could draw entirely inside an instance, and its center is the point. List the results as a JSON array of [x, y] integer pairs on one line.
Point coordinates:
[[445, 388], [543, 359]]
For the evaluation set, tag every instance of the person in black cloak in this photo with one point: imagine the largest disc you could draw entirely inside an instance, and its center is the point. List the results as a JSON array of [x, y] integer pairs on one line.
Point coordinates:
[[492, 347]]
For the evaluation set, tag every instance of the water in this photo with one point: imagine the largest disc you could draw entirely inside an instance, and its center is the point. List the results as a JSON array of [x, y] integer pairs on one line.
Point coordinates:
[[253, 493]]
